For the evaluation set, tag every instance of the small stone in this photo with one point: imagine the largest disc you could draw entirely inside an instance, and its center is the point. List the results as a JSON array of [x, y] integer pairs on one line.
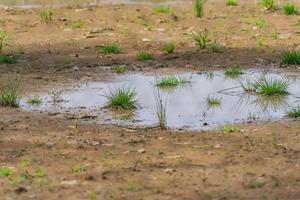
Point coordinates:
[[142, 151], [69, 183], [169, 170], [146, 40]]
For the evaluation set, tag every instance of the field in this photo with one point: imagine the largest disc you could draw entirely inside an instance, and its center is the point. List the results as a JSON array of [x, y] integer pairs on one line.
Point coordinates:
[[58, 142]]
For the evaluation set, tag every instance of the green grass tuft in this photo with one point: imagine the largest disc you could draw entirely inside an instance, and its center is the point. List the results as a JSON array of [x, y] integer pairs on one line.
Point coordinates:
[[2, 38], [5, 171], [169, 47], [172, 81], [9, 93], [233, 71], [291, 58], [213, 101], [231, 3], [198, 7], [164, 10], [201, 38], [46, 15], [271, 87], [294, 112], [119, 69], [35, 100], [111, 48], [230, 129], [77, 24], [290, 9], [6, 59], [269, 4], [144, 56], [122, 98]]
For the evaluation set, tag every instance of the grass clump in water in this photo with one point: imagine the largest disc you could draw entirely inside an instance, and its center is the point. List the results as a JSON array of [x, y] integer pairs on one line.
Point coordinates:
[[2, 38], [213, 101], [46, 15], [161, 111], [198, 7], [269, 4], [201, 38], [169, 47], [7, 59], [160, 9], [290, 9], [9, 93], [231, 3], [291, 58], [122, 98], [142, 56], [271, 87], [294, 112], [35, 100], [233, 71], [172, 81], [111, 48]]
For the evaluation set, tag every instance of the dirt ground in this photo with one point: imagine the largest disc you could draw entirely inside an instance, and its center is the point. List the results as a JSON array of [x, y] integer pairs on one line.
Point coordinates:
[[51, 158]]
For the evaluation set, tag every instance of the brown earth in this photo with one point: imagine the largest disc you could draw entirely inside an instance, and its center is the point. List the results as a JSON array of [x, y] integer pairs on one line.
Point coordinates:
[[91, 161]]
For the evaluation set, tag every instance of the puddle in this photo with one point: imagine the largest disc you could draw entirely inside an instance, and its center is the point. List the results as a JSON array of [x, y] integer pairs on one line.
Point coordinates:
[[58, 3], [186, 106]]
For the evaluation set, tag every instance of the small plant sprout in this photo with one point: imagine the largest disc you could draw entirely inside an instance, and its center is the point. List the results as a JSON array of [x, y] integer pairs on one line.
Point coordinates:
[[169, 47], [213, 101], [122, 98], [119, 69], [271, 87], [160, 9], [231, 2], [8, 59], [294, 112], [35, 100], [2, 38], [274, 34], [198, 7], [9, 93], [78, 169], [40, 172], [230, 129], [172, 81], [5, 171], [142, 56], [291, 58], [160, 110], [111, 48], [290, 9], [234, 71], [56, 97], [269, 4], [77, 24], [202, 38], [46, 15]]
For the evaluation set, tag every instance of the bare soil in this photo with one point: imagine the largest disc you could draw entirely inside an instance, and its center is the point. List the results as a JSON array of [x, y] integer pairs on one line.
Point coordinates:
[[92, 161]]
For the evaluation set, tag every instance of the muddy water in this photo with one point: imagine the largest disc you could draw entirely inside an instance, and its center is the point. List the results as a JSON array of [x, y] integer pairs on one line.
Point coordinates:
[[186, 106], [41, 3]]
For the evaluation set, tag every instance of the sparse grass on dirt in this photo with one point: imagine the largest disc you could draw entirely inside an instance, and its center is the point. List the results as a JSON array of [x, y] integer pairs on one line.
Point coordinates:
[[2, 38], [202, 38], [122, 98], [8, 59], [161, 9], [198, 7], [47, 15], [77, 24], [9, 93], [290, 9], [110, 48], [169, 47], [269, 4], [291, 58], [143, 56], [231, 2]]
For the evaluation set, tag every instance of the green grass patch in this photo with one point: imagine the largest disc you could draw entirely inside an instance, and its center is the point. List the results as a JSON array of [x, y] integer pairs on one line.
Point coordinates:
[[122, 98], [9, 93], [2, 38], [231, 2], [271, 87], [230, 129], [142, 56], [46, 15], [164, 10], [119, 69], [8, 59], [269, 4], [294, 112], [35, 100], [169, 47], [213, 101], [290, 9], [291, 58], [234, 71], [111, 48], [5, 171], [77, 24], [172, 81], [202, 38], [198, 7]]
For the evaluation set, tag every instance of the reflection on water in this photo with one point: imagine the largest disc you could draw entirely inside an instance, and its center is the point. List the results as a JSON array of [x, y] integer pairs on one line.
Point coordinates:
[[186, 106], [41, 3]]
